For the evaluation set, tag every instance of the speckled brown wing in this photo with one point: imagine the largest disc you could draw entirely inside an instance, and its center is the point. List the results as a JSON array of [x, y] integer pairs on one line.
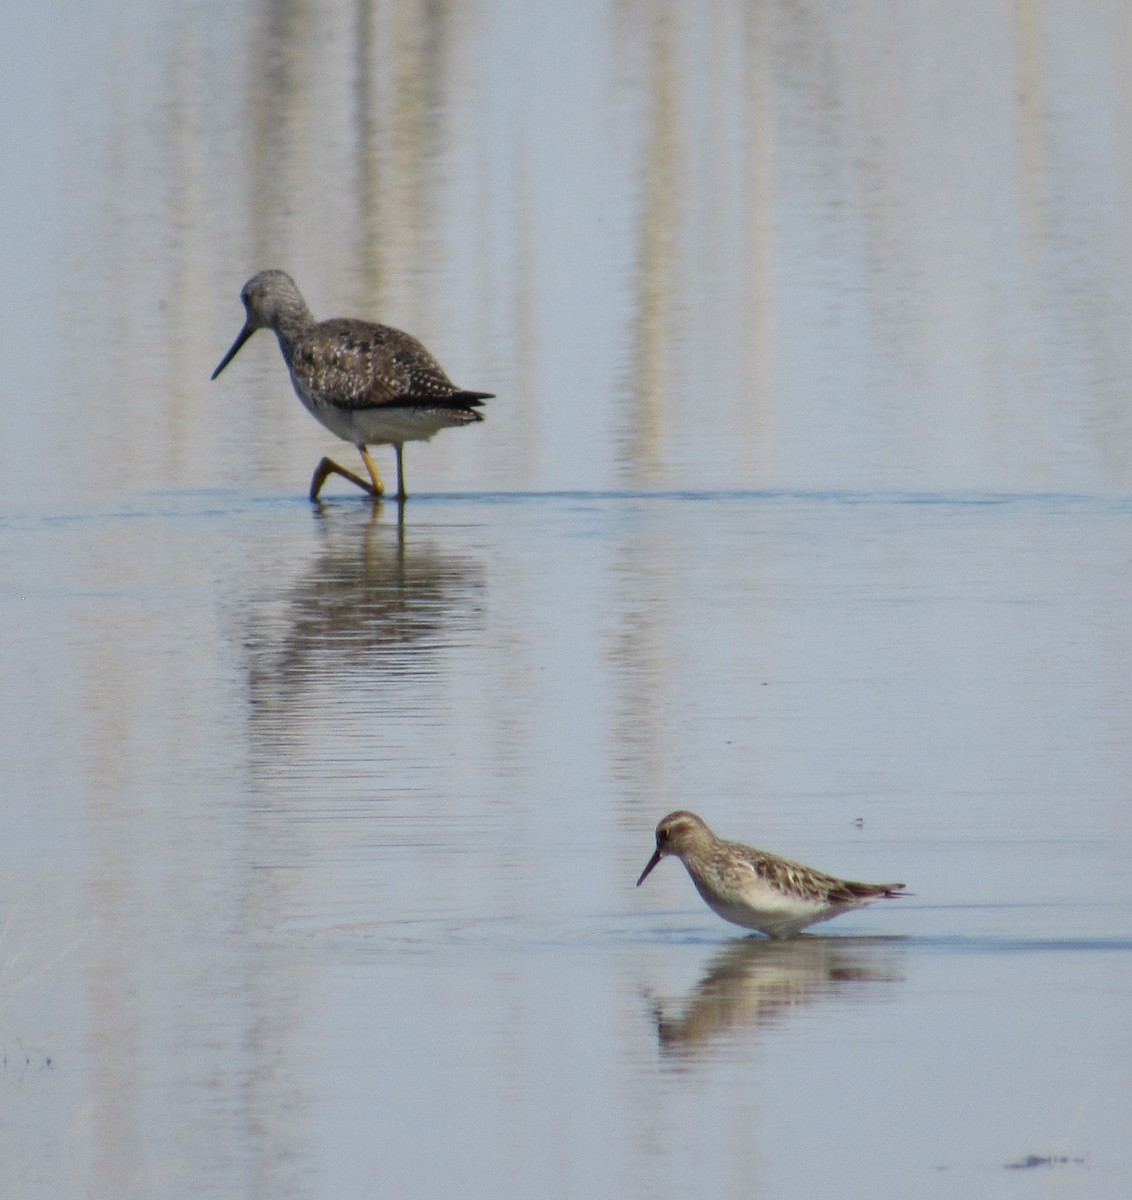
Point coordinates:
[[791, 877], [805, 881], [356, 364]]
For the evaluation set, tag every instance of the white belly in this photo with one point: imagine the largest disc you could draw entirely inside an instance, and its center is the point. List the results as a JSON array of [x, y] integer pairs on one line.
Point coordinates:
[[770, 911], [382, 425]]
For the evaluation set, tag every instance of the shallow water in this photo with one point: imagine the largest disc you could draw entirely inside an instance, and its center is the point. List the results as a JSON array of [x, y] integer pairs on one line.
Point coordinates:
[[805, 503]]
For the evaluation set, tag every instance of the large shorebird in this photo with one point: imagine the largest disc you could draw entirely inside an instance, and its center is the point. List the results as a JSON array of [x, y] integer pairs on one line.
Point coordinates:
[[754, 889], [369, 384]]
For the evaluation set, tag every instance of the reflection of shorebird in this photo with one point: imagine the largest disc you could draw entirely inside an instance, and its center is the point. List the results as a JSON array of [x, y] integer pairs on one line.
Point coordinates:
[[754, 889], [752, 982], [369, 384], [369, 607]]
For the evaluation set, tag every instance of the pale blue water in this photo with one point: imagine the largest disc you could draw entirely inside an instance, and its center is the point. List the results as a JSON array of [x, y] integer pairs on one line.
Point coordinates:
[[805, 503]]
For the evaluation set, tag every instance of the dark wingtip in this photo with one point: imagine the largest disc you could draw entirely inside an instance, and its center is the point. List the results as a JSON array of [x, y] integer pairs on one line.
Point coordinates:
[[872, 891]]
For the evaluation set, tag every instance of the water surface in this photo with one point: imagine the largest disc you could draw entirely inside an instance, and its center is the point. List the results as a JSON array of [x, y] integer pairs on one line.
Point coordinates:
[[804, 503]]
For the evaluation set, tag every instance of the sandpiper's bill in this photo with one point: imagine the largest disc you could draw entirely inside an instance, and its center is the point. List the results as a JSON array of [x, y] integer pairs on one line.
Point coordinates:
[[754, 889], [369, 384]]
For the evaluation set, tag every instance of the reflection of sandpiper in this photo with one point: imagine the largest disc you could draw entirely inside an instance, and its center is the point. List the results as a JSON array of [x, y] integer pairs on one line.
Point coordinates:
[[752, 983], [369, 384], [754, 889]]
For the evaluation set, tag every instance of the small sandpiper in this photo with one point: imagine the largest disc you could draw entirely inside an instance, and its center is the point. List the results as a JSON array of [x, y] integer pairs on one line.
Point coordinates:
[[369, 384], [754, 889]]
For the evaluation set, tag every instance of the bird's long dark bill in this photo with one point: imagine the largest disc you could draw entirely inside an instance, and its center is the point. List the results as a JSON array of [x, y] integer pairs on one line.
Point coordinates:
[[652, 863], [245, 333]]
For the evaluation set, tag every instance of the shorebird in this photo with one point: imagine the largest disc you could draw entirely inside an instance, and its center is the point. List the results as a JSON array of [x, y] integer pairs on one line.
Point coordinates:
[[371, 385], [754, 889]]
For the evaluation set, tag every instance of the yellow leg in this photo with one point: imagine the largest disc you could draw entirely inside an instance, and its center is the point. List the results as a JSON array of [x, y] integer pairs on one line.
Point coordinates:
[[378, 486], [328, 467]]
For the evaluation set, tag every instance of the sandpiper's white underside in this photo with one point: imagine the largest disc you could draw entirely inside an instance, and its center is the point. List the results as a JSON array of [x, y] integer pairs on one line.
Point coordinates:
[[770, 911]]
